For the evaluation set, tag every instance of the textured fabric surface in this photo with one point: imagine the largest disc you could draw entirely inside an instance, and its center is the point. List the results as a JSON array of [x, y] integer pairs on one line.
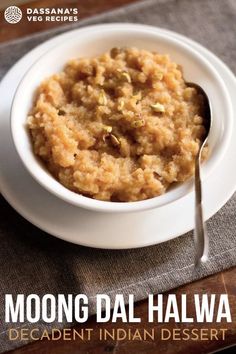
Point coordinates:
[[33, 262]]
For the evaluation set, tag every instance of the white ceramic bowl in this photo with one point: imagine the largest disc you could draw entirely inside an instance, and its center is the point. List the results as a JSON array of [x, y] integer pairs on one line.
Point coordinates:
[[98, 39]]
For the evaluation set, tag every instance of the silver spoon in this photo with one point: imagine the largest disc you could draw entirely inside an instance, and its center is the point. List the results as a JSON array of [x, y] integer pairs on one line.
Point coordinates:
[[201, 239]]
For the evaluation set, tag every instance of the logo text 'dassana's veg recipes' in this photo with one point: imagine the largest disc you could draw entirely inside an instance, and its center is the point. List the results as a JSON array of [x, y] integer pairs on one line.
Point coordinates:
[[13, 14]]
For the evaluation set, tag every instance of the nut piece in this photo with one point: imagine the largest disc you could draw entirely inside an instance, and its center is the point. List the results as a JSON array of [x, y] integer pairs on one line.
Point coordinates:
[[125, 75], [114, 140], [102, 99], [158, 107], [111, 137], [104, 137], [138, 123], [108, 129]]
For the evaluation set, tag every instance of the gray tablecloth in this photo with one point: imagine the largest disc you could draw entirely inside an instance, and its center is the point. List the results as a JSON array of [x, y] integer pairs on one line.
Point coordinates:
[[33, 262]]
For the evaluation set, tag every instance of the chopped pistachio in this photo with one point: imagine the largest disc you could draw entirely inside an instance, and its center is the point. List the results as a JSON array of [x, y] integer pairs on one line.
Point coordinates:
[[102, 99], [61, 112], [114, 140], [158, 107], [108, 129], [138, 123], [126, 76]]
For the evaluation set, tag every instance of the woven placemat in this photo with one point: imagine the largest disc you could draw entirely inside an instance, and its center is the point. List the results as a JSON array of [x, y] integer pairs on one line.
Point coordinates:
[[33, 262]]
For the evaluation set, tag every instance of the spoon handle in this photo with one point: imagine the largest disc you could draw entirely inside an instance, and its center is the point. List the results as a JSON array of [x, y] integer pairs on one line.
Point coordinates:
[[200, 233]]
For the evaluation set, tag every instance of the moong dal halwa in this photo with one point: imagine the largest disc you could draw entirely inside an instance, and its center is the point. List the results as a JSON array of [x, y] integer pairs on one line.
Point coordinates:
[[122, 126]]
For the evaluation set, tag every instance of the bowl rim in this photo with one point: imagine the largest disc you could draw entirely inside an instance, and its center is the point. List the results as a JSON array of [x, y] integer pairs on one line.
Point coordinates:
[[79, 200]]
